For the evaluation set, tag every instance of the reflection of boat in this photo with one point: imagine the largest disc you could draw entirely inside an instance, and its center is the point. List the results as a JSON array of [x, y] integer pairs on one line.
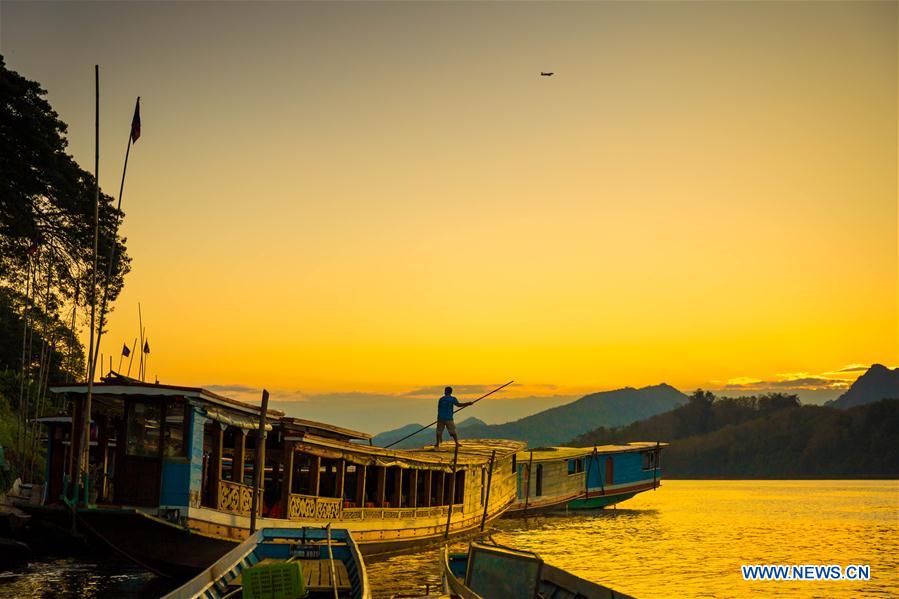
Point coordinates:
[[492, 571], [173, 470], [553, 478], [314, 560]]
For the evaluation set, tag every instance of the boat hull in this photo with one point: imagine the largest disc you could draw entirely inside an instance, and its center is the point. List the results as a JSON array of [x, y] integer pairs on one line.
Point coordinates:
[[176, 550], [595, 499]]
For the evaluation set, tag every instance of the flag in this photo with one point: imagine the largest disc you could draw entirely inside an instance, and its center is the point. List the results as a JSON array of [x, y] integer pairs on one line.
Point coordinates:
[[125, 351], [147, 346], [135, 122]]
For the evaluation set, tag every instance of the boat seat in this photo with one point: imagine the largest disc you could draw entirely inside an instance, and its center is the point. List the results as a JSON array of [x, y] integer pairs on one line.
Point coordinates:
[[316, 574]]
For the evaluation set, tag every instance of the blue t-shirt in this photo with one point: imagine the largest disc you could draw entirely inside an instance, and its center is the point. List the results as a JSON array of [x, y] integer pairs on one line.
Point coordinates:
[[445, 407]]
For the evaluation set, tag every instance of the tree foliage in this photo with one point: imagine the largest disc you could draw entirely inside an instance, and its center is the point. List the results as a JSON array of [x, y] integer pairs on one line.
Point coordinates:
[[771, 436], [46, 259], [47, 203]]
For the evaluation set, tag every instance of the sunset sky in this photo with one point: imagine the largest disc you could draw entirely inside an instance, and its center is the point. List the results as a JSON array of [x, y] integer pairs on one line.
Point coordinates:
[[348, 202]]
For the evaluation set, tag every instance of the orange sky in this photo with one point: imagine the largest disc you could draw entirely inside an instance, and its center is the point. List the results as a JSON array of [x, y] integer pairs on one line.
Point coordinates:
[[378, 197]]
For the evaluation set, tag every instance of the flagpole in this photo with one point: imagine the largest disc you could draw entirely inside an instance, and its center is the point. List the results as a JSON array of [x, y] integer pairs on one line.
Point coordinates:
[[86, 412], [131, 357], [140, 322], [121, 355], [114, 241]]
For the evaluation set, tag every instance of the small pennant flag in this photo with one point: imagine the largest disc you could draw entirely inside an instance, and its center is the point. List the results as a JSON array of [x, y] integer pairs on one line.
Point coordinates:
[[135, 122], [147, 346], [125, 351]]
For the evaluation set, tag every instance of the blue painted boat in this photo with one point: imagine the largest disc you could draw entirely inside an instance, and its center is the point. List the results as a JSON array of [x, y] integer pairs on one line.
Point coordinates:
[[493, 571], [573, 478], [323, 562]]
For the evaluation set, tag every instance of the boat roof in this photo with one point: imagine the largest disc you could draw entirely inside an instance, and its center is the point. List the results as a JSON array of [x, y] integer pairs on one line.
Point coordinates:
[[549, 454], [321, 428], [120, 387], [472, 452], [125, 389]]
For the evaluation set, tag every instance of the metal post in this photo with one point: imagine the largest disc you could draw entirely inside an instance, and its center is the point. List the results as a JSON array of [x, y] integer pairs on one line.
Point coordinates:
[[259, 474]]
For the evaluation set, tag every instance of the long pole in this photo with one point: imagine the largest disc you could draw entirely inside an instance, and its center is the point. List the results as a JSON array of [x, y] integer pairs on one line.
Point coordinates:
[[86, 416], [131, 356], [113, 242], [449, 508], [487, 494], [140, 322], [259, 474], [331, 562], [527, 491], [26, 315], [655, 464], [459, 410]]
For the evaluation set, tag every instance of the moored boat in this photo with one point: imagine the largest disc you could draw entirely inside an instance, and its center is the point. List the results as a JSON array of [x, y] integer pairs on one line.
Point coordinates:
[[493, 572], [319, 561], [173, 470], [559, 478]]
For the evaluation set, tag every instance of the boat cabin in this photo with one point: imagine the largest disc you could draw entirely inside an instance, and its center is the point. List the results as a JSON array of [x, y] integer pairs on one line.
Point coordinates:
[[550, 478]]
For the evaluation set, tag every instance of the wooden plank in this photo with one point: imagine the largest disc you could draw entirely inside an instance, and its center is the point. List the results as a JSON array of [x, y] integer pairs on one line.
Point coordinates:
[[317, 574]]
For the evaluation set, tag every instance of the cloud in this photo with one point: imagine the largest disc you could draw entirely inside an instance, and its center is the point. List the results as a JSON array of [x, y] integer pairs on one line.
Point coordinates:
[[804, 383], [854, 368], [231, 389]]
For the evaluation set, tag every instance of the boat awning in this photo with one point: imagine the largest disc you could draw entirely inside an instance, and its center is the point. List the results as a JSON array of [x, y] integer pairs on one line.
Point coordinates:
[[235, 419], [472, 453]]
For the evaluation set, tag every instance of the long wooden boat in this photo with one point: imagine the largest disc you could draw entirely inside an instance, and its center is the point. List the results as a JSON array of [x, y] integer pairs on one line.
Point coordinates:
[[492, 571], [325, 560], [173, 477], [559, 478]]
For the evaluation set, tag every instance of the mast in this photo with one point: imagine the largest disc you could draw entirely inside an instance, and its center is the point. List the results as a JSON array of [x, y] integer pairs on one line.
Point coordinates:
[[86, 412]]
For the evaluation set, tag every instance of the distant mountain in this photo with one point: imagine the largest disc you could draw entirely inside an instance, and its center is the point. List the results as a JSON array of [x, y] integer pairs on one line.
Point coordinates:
[[559, 424], [424, 437], [879, 382]]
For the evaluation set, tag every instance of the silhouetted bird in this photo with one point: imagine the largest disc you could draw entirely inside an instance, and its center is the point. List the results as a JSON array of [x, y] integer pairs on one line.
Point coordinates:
[[545, 74]]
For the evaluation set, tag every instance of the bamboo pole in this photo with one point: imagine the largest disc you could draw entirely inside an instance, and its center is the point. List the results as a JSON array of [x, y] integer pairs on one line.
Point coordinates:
[[449, 509], [113, 245], [459, 410], [527, 492], [259, 473], [86, 416], [487, 495], [331, 562], [655, 464], [131, 356]]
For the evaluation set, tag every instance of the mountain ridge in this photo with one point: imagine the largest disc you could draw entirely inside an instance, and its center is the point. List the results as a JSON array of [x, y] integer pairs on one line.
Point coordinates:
[[556, 425]]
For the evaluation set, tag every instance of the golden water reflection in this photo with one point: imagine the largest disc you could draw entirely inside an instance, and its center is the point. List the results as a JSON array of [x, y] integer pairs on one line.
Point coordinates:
[[689, 538]]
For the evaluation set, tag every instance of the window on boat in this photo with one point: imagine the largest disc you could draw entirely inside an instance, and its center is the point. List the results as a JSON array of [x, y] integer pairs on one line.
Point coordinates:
[[483, 485], [460, 487], [514, 462], [649, 460], [575, 465], [175, 425], [144, 419], [539, 483]]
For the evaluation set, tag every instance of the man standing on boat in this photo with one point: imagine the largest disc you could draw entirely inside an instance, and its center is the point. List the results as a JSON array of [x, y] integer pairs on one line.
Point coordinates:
[[445, 415]]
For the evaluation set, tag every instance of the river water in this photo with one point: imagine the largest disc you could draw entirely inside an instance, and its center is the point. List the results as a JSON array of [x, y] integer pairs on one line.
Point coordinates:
[[686, 539]]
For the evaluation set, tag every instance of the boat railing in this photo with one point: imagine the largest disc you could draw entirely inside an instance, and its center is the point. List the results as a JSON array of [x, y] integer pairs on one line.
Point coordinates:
[[329, 508], [309, 506], [235, 498]]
